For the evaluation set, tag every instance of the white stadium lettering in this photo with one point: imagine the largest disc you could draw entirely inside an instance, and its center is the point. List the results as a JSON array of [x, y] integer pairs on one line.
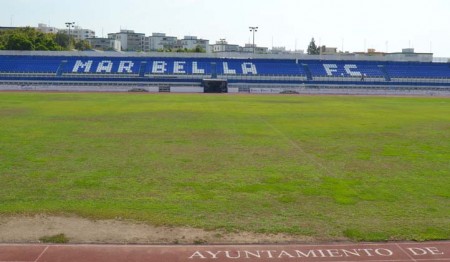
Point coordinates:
[[79, 64], [330, 68], [196, 70], [249, 68], [383, 252], [197, 254], [125, 66], [214, 255], [333, 68], [228, 71], [178, 67], [159, 67], [363, 253], [350, 72], [104, 67]]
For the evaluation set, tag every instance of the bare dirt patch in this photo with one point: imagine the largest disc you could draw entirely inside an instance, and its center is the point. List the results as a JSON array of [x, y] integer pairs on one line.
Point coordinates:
[[28, 229]]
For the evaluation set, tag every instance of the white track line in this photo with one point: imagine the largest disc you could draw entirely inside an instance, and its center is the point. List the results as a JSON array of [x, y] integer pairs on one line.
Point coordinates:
[[298, 147], [41, 253]]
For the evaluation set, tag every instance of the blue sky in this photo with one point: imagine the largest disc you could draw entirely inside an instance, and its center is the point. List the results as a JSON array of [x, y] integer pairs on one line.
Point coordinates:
[[386, 25]]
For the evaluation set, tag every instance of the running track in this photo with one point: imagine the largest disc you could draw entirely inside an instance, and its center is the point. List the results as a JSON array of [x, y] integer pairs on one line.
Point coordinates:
[[410, 251]]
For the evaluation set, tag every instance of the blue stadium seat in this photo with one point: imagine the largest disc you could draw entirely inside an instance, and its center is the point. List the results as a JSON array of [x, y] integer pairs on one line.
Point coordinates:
[[192, 69]]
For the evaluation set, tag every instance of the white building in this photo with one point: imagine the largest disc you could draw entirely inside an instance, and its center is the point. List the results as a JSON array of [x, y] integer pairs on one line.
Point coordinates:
[[159, 41], [105, 44], [129, 40], [325, 50], [223, 46], [408, 54], [250, 48], [281, 50], [79, 33], [191, 42], [47, 29]]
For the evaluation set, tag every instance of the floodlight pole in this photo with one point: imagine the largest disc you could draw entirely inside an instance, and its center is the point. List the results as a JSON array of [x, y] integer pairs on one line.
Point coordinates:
[[253, 29], [69, 25]]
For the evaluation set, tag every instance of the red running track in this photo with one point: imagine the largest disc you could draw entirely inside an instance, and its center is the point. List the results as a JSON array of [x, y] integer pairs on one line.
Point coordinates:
[[410, 251]]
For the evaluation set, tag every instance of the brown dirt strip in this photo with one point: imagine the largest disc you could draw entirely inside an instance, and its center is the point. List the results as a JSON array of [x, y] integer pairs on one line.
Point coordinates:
[[29, 229]]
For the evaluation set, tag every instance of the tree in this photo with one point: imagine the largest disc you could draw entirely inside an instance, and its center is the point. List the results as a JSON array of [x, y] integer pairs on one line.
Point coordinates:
[[62, 40], [28, 39], [312, 48], [49, 41], [46, 42], [2, 41], [19, 42], [199, 49], [82, 45]]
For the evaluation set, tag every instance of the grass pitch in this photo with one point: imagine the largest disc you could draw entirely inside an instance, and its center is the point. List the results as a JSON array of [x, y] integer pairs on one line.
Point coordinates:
[[367, 168]]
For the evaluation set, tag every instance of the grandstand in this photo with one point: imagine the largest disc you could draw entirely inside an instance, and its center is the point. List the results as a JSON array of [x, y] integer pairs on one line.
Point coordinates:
[[158, 72]]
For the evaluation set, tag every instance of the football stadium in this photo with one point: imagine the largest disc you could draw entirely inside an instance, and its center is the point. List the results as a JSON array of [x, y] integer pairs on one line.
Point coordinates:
[[220, 73], [140, 145]]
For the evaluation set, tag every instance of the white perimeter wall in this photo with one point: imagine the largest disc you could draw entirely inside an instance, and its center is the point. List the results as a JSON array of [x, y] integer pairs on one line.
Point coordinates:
[[186, 89]]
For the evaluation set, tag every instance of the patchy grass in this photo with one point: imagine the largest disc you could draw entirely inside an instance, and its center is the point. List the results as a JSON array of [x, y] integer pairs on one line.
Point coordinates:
[[56, 239], [367, 168]]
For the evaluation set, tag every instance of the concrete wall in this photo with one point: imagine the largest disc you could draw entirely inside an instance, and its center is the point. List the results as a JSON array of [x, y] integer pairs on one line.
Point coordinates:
[[186, 89], [214, 55], [235, 89], [65, 88]]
